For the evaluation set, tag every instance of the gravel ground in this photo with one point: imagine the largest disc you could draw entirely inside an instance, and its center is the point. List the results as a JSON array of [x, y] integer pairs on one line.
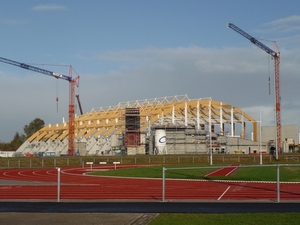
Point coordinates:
[[76, 218]]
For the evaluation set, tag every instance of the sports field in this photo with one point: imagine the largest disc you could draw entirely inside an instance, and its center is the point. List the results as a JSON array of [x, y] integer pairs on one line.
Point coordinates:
[[144, 182]]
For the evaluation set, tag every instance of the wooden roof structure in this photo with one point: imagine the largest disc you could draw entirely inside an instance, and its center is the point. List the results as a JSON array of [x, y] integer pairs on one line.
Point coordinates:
[[166, 111]]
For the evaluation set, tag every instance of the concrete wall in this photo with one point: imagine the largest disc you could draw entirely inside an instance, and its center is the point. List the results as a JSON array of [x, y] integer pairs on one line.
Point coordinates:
[[287, 132]]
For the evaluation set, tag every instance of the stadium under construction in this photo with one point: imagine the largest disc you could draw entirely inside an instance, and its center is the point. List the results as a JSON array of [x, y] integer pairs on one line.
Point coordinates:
[[168, 125]]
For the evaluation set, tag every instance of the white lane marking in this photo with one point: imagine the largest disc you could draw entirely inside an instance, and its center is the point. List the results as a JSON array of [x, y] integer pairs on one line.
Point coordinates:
[[224, 193], [234, 169]]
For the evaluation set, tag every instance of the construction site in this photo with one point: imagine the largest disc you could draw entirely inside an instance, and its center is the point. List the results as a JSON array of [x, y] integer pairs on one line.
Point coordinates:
[[167, 125]]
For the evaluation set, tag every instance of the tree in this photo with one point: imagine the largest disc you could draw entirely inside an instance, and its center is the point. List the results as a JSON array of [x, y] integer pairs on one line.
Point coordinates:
[[33, 127], [17, 141], [19, 138]]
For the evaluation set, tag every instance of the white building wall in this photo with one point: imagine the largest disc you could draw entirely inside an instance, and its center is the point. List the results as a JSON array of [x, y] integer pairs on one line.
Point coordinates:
[[287, 131]]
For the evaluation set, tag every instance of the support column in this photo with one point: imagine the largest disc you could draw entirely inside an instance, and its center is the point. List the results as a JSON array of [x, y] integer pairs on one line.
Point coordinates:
[[255, 131], [223, 128], [221, 120], [198, 115], [185, 114], [162, 118], [244, 130], [173, 115], [243, 125]]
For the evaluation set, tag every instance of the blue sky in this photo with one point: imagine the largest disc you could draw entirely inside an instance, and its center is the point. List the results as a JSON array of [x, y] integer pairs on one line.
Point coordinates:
[[127, 50]]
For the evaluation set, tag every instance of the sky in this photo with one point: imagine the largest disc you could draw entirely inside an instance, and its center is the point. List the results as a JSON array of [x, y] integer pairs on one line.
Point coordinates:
[[127, 50]]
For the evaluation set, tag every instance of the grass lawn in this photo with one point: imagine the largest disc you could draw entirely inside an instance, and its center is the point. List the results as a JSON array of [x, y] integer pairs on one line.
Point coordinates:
[[227, 219], [264, 173]]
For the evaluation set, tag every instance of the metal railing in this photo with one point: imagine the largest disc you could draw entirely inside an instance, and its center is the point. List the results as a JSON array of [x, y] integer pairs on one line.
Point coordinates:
[[29, 162], [164, 170]]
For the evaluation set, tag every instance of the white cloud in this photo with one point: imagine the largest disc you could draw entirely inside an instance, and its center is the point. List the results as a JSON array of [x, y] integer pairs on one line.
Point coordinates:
[[236, 76], [50, 7], [288, 24], [284, 21]]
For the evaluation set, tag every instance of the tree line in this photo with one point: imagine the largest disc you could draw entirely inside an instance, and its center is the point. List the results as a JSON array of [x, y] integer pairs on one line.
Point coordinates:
[[19, 139]]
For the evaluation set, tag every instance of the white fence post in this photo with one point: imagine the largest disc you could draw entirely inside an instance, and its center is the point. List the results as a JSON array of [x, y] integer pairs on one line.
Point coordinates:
[[58, 184], [163, 184], [278, 183]]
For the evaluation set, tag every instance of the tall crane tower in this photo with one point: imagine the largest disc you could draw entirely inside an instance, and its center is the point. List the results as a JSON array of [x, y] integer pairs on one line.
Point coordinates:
[[72, 84], [276, 56]]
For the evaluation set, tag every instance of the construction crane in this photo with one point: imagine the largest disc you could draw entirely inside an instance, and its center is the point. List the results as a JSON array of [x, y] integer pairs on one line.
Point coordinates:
[[72, 84], [276, 56]]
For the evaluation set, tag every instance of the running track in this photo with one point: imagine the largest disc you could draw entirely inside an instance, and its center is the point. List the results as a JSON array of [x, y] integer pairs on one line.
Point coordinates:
[[226, 171], [41, 184]]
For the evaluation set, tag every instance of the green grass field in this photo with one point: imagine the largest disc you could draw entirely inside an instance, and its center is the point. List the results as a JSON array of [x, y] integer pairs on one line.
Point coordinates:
[[263, 173], [227, 219]]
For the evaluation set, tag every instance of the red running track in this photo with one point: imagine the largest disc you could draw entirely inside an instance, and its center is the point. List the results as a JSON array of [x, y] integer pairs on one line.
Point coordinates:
[[75, 185], [226, 171]]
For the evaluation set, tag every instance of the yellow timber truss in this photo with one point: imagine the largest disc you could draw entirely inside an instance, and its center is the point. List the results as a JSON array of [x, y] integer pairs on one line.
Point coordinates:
[[166, 111]]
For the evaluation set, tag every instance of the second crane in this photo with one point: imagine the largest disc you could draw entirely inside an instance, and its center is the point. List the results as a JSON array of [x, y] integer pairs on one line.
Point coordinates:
[[276, 56]]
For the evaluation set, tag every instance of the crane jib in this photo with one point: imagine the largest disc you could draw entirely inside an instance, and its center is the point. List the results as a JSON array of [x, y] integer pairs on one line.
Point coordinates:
[[253, 40], [72, 82], [35, 69]]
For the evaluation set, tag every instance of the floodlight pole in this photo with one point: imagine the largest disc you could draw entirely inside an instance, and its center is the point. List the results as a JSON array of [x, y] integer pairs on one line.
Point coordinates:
[[260, 151], [210, 141]]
